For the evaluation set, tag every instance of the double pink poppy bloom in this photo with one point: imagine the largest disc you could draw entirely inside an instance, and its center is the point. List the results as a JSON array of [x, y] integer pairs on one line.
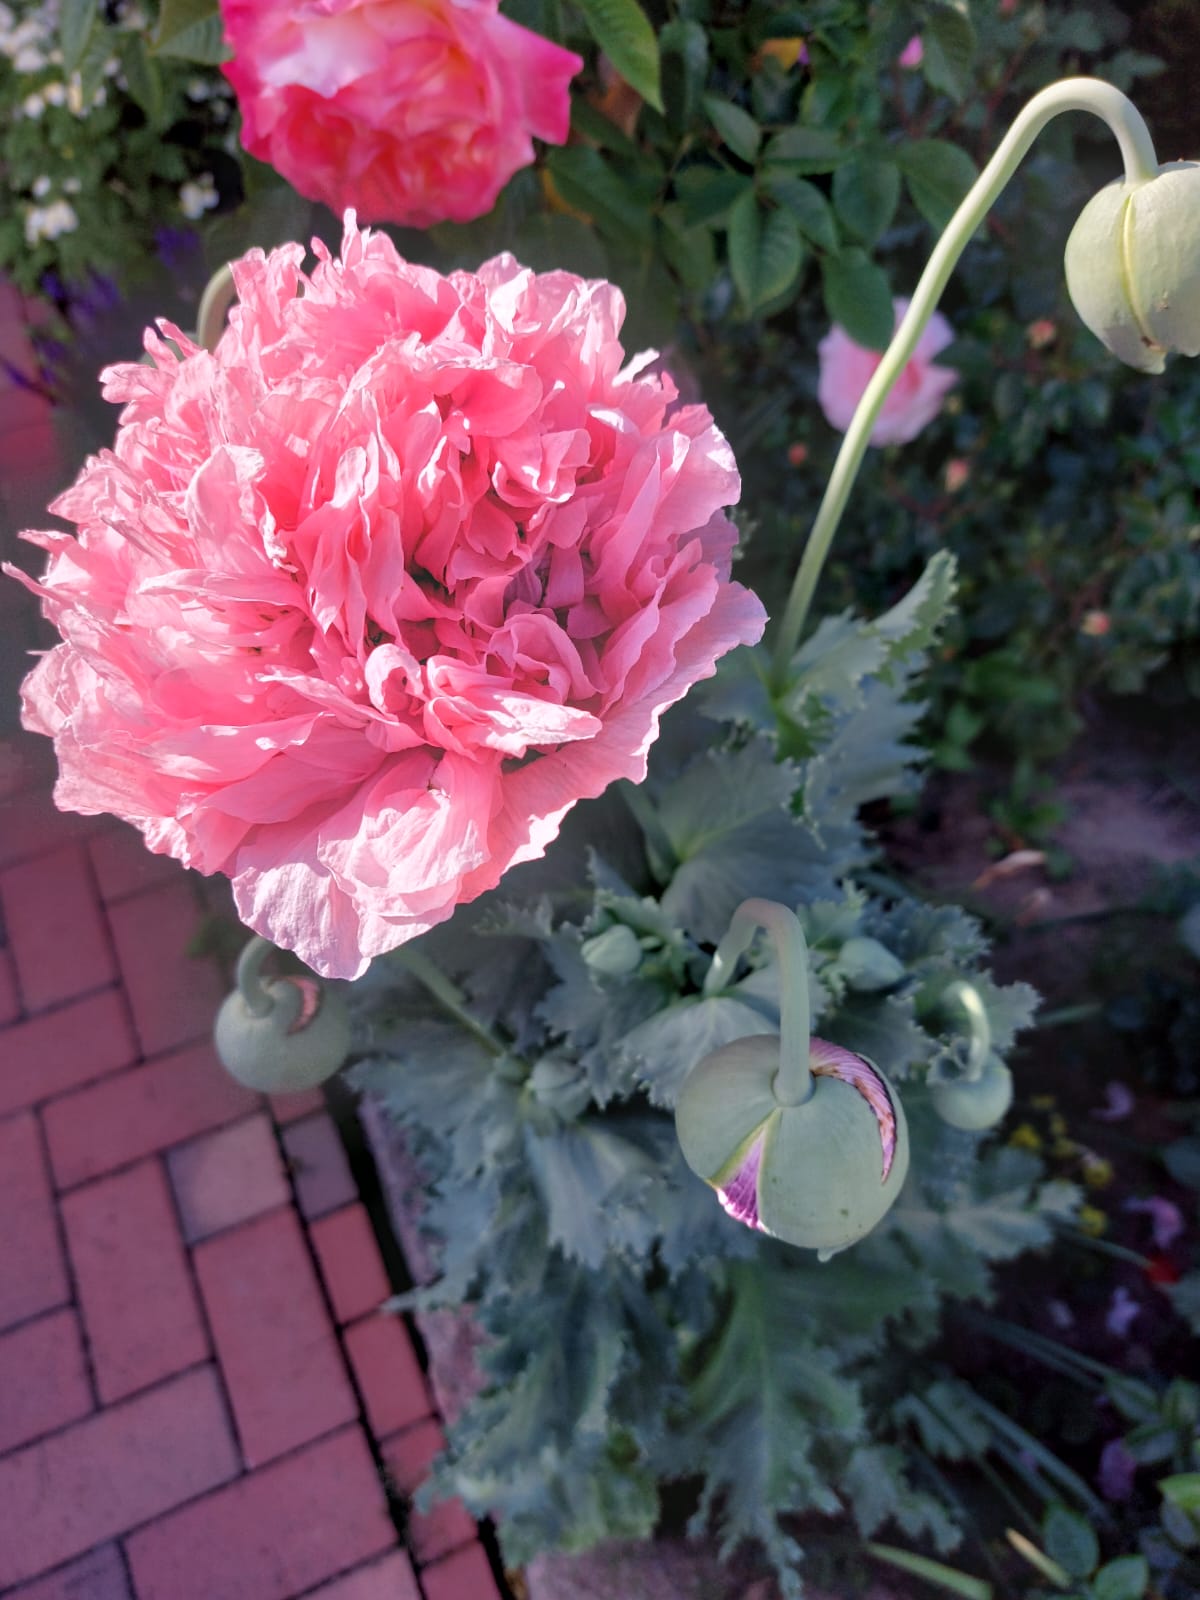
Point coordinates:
[[364, 601]]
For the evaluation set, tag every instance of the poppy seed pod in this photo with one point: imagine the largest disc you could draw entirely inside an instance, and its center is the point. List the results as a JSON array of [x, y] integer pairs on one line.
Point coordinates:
[[821, 1173], [283, 1034], [1133, 266]]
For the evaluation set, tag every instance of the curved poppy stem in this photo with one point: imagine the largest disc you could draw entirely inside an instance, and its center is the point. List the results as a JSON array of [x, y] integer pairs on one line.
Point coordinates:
[[1141, 164], [793, 1082]]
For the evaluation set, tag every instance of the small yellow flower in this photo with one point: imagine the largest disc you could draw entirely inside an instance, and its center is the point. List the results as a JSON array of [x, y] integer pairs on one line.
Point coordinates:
[[1026, 1137], [786, 51], [1097, 1172], [1043, 1102], [1092, 1221], [1058, 1124]]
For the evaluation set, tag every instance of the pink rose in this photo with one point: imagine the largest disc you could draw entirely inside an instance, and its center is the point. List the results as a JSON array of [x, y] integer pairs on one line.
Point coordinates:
[[411, 111], [363, 602], [916, 397]]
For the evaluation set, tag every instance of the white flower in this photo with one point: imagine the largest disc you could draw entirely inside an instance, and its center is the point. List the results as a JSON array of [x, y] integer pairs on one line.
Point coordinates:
[[71, 185], [41, 187], [29, 59], [48, 222], [6, 18], [33, 105], [54, 94], [197, 197]]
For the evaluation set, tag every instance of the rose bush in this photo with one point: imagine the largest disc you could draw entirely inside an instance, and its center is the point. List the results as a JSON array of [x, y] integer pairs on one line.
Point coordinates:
[[410, 112], [365, 600], [846, 368]]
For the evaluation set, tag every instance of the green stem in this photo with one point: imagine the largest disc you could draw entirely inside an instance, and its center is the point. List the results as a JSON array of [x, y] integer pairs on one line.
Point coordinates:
[[980, 1028], [1141, 164], [448, 995], [219, 294], [249, 976], [793, 1082]]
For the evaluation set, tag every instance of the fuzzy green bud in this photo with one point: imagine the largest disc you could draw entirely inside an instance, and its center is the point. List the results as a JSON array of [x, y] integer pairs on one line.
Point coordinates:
[[974, 1104], [1133, 266], [615, 953], [819, 1174], [867, 965], [280, 1035]]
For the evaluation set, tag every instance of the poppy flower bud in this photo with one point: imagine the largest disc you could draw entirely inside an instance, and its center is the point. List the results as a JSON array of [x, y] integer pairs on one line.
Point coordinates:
[[1133, 266], [868, 965], [280, 1035], [974, 1103], [821, 1173], [615, 953]]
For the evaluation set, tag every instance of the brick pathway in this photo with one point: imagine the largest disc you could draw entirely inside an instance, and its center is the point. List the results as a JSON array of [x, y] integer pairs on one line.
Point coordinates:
[[198, 1398]]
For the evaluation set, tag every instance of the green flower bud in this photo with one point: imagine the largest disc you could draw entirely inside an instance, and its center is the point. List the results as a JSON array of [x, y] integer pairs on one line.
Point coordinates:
[[866, 965], [281, 1035], [616, 952], [1133, 266], [974, 1103], [820, 1174]]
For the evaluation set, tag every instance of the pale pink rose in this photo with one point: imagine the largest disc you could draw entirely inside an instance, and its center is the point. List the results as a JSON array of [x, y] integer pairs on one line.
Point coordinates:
[[846, 369], [363, 602], [411, 111], [913, 54]]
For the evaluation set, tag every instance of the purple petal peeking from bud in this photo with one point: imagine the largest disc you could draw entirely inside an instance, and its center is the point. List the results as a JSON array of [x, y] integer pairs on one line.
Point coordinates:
[[831, 1061], [739, 1196]]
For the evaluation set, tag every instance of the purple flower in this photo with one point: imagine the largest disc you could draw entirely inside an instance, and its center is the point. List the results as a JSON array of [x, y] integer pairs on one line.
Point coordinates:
[[1116, 1471], [1166, 1219]]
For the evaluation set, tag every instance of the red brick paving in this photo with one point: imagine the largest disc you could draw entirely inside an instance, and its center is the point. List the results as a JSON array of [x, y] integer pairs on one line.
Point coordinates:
[[228, 1177], [132, 1280], [192, 1370], [33, 1275], [55, 928], [60, 1050], [132, 1170], [99, 1575], [136, 1113], [271, 1535], [43, 1378], [112, 1472], [284, 1369], [445, 1526], [350, 1264]]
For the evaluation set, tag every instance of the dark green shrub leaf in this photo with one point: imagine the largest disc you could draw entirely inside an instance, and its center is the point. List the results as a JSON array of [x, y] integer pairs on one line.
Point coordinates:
[[143, 77], [745, 238], [1071, 1541], [858, 297], [949, 40], [76, 20], [1126, 1578], [866, 192], [737, 128], [707, 193], [192, 31], [623, 31], [684, 47], [938, 175], [588, 183], [807, 150], [813, 213]]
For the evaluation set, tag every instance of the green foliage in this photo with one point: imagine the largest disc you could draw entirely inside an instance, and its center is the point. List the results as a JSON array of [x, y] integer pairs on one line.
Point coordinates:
[[100, 134], [669, 1339]]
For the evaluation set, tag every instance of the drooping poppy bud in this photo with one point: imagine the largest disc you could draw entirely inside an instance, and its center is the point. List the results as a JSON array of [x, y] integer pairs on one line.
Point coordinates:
[[1133, 266], [280, 1035], [974, 1104], [820, 1174], [978, 1096]]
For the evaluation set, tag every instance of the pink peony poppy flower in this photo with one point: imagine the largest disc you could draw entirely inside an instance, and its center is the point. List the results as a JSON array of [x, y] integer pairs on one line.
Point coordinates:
[[363, 602], [411, 111], [846, 369]]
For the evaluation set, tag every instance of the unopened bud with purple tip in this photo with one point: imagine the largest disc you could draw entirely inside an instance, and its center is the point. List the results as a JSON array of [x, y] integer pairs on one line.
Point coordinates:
[[800, 1138]]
